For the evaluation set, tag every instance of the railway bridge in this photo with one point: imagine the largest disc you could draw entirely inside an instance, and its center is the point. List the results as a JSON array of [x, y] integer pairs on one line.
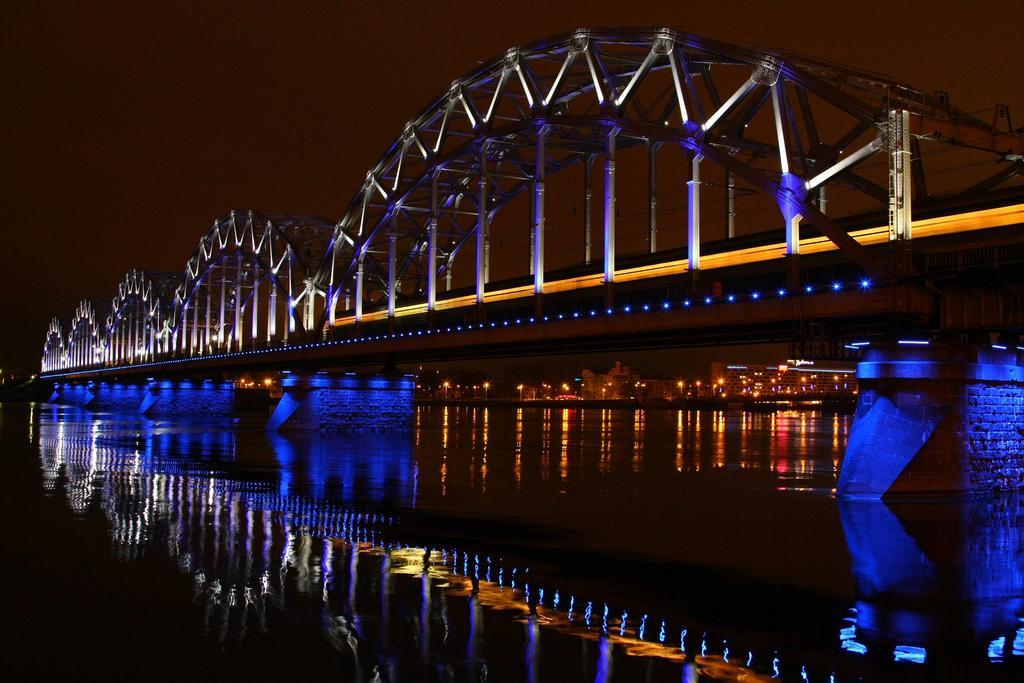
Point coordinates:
[[621, 188]]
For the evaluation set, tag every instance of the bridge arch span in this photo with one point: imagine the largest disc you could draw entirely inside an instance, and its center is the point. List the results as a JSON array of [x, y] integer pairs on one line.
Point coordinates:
[[54, 348], [138, 326], [86, 335], [771, 138], [250, 282]]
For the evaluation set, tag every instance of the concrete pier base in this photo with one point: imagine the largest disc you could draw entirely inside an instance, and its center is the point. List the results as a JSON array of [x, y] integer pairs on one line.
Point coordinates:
[[346, 402], [936, 419]]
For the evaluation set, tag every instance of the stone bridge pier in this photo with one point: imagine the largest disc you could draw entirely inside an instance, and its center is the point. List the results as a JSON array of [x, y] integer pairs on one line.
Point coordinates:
[[346, 402], [162, 397], [936, 419]]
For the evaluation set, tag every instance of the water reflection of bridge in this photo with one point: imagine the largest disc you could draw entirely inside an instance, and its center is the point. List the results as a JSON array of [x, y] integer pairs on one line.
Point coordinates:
[[257, 547]]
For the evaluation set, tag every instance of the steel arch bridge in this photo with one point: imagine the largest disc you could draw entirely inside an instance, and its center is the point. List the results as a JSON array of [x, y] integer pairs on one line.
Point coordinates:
[[584, 154]]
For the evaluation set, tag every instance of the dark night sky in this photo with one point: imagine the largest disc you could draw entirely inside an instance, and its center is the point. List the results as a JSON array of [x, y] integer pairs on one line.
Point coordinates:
[[128, 127]]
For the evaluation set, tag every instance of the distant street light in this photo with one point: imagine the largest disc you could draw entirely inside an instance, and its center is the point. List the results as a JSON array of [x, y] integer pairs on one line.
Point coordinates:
[[520, 388], [487, 385]]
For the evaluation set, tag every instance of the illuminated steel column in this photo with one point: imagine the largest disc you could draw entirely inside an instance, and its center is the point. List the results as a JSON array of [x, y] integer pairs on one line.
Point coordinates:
[[207, 340], [481, 228], [587, 194], [538, 213], [693, 216], [730, 205], [432, 244], [652, 197], [223, 294], [272, 307], [136, 329], [289, 309], [391, 264], [238, 302], [899, 175], [360, 252], [190, 341], [609, 210], [254, 329]]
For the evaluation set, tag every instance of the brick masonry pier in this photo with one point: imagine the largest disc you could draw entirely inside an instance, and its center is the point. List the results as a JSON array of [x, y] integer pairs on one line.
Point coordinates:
[[936, 419], [346, 402]]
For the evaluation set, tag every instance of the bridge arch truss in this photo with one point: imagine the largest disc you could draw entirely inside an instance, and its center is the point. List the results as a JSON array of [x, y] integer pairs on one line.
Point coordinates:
[[781, 126]]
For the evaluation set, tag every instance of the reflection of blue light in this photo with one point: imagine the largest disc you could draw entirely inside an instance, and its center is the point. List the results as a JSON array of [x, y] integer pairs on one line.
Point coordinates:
[[995, 649], [1018, 641], [909, 653]]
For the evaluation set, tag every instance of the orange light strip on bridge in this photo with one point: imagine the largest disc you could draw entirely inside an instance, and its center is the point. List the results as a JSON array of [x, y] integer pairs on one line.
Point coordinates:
[[930, 227]]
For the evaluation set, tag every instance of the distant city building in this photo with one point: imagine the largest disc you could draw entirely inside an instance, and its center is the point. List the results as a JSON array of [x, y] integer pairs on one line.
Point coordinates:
[[794, 378], [618, 383]]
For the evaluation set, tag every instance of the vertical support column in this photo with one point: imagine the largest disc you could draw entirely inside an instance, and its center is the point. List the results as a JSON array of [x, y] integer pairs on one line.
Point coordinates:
[[538, 215], [899, 175], [136, 330], [822, 200], [481, 229], [652, 197], [238, 302], [693, 217], [290, 309], [432, 246], [254, 330], [332, 291], [207, 340], [272, 308], [192, 340], [359, 282], [730, 205], [391, 264], [587, 215], [181, 338], [308, 309], [609, 213], [223, 295]]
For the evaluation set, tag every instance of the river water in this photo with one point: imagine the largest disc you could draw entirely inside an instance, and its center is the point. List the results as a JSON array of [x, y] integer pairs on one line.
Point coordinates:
[[497, 544]]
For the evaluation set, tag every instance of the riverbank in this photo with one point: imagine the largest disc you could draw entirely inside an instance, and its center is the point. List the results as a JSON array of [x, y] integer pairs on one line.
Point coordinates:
[[842, 405]]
